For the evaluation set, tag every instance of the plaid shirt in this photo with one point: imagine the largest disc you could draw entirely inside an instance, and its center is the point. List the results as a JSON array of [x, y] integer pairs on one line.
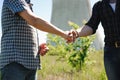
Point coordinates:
[[110, 20], [19, 42]]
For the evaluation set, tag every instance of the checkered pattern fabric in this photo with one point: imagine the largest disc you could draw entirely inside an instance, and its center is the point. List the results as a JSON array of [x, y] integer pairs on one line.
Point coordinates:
[[19, 42]]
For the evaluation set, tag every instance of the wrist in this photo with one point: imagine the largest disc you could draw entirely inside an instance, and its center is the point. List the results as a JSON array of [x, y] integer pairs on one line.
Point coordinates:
[[64, 35], [77, 34]]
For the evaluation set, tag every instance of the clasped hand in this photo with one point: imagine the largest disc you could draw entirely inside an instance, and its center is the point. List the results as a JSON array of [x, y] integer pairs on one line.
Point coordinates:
[[70, 38], [72, 35]]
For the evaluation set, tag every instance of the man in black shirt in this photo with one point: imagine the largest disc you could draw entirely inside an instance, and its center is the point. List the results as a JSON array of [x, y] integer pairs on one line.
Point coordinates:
[[108, 13]]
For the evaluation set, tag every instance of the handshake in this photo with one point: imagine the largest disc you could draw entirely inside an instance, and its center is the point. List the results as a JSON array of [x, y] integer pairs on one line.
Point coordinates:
[[71, 36]]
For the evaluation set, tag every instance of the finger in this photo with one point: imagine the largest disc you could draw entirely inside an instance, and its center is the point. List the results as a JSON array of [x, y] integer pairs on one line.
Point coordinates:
[[71, 36], [43, 52], [74, 33]]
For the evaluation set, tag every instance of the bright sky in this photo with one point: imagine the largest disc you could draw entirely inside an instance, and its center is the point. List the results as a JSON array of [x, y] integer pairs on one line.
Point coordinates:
[[42, 8]]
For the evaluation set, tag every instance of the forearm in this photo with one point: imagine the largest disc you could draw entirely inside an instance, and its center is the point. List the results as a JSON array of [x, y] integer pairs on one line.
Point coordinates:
[[41, 24], [48, 27], [84, 31]]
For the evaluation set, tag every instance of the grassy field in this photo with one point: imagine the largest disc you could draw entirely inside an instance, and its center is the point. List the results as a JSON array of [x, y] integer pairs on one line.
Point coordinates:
[[53, 69]]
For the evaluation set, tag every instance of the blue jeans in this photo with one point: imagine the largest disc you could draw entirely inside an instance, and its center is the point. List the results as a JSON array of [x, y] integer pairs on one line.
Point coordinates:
[[15, 71], [112, 62]]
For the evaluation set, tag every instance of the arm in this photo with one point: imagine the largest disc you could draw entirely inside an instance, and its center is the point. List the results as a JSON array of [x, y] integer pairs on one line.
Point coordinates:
[[41, 24], [82, 32], [85, 31], [91, 26]]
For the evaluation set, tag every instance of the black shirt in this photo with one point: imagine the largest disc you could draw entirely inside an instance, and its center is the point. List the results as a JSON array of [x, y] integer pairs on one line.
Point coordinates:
[[110, 20]]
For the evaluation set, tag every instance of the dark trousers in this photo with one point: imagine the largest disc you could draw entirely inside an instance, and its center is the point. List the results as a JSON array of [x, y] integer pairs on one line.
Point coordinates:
[[112, 62], [15, 71]]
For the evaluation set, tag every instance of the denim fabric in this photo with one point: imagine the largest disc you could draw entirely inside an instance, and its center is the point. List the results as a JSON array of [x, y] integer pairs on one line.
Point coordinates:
[[15, 71], [112, 62]]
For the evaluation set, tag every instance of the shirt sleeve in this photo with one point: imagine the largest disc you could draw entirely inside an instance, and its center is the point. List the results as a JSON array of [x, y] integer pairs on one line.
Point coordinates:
[[16, 5], [95, 18]]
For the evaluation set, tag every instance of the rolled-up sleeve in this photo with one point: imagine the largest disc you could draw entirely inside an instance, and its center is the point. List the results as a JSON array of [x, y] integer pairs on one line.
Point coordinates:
[[95, 18], [16, 5]]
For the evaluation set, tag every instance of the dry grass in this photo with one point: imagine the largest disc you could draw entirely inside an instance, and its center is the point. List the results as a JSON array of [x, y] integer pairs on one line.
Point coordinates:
[[61, 70]]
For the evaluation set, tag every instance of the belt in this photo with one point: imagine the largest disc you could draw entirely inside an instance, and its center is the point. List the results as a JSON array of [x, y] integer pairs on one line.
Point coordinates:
[[115, 44]]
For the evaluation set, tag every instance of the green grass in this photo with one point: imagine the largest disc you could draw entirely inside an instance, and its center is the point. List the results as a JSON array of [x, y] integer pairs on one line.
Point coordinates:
[[53, 69]]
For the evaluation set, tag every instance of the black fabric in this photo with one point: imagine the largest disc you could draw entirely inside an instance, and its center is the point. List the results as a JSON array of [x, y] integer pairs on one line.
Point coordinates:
[[110, 20]]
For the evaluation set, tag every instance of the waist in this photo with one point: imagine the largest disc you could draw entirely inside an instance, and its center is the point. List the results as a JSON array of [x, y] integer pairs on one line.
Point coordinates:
[[115, 44]]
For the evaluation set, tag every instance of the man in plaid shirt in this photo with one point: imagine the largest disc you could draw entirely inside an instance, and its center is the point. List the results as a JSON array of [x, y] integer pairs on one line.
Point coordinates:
[[19, 58]]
